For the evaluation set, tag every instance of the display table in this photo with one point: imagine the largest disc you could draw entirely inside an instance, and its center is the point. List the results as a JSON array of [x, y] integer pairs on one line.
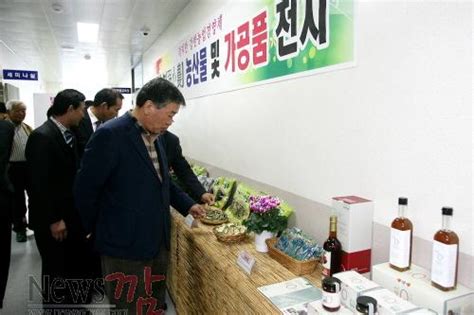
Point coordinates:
[[203, 276]]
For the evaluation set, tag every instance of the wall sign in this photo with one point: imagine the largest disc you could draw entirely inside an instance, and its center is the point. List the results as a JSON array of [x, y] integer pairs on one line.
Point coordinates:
[[122, 90], [268, 41], [9, 74]]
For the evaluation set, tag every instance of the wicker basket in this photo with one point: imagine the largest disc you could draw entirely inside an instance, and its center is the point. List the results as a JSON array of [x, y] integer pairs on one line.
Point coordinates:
[[213, 222], [229, 238], [295, 266]]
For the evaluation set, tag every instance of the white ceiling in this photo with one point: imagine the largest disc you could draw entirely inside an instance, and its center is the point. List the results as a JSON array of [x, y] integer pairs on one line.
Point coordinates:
[[35, 34]]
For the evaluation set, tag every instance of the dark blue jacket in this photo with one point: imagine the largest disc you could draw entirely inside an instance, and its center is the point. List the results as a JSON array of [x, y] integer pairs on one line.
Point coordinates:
[[119, 195]]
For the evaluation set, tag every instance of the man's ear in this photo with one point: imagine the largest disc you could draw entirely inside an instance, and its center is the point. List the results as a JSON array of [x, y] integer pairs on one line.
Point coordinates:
[[147, 107], [70, 108]]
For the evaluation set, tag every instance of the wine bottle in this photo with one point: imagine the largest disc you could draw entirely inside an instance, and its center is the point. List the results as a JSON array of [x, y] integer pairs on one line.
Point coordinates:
[[444, 263], [401, 238], [332, 250]]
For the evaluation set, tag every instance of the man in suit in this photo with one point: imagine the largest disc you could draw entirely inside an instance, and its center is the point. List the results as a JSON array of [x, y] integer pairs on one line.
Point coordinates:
[[123, 192], [181, 168], [6, 195], [106, 106], [17, 169], [52, 165]]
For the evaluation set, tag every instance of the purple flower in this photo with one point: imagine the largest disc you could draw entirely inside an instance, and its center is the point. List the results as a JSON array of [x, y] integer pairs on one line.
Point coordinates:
[[263, 204]]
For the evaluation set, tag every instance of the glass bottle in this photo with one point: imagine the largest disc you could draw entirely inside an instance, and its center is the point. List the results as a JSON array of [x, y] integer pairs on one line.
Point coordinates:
[[331, 295], [401, 238], [332, 250], [444, 263], [366, 305]]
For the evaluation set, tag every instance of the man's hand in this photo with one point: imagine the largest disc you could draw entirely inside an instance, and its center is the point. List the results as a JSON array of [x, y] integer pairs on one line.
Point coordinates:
[[197, 211], [208, 198], [58, 230]]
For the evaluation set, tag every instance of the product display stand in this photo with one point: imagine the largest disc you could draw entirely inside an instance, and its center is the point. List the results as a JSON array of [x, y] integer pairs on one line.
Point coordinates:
[[204, 278]]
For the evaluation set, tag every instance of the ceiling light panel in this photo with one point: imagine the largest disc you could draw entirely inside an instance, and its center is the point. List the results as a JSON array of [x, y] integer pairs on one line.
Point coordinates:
[[87, 32]]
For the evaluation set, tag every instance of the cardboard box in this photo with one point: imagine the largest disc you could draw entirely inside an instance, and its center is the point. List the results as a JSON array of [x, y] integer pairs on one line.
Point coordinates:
[[390, 304], [316, 308], [353, 285], [354, 231], [414, 285]]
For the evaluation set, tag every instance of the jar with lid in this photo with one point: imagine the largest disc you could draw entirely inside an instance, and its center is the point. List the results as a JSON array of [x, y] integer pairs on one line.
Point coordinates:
[[366, 305], [331, 294]]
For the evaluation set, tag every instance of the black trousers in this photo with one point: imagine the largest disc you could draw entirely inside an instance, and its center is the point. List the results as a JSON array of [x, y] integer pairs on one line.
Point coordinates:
[[67, 276], [5, 240], [17, 173]]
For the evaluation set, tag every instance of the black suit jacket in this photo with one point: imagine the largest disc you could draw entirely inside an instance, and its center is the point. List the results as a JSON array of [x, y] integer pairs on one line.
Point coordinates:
[[52, 166], [7, 132], [83, 132], [180, 166]]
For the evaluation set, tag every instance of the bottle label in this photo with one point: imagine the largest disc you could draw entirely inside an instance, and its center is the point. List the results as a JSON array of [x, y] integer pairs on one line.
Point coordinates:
[[326, 264], [443, 264], [331, 300], [400, 243]]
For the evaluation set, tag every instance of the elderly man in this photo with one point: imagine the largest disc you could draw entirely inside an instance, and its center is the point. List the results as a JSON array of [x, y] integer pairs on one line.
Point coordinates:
[[123, 192], [17, 169]]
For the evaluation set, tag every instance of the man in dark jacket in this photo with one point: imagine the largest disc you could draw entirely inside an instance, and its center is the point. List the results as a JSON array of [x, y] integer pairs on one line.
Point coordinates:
[[123, 193], [6, 196], [52, 159], [107, 104]]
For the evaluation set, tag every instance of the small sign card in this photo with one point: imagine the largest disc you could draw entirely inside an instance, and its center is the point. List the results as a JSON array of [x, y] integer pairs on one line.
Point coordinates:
[[190, 221], [245, 261]]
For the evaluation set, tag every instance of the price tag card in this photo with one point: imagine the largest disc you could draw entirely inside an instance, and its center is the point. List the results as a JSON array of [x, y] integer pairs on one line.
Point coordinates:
[[245, 261], [190, 221]]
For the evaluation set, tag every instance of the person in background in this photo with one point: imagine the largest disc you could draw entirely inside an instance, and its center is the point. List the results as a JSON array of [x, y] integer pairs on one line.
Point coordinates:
[[52, 165], [3, 111], [17, 169], [7, 132], [89, 103], [107, 104], [123, 192], [182, 169]]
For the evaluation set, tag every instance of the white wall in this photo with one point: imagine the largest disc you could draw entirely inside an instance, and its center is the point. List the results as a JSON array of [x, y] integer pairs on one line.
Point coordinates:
[[399, 123]]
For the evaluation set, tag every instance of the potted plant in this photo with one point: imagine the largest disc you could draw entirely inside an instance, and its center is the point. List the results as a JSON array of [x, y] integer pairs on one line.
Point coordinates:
[[265, 219]]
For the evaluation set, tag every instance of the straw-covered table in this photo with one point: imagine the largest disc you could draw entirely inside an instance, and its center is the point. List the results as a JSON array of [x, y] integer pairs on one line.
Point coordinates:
[[204, 278]]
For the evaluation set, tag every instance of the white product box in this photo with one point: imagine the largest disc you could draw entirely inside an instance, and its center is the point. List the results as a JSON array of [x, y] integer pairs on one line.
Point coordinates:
[[390, 304], [353, 285], [316, 308], [354, 231], [423, 311], [414, 285]]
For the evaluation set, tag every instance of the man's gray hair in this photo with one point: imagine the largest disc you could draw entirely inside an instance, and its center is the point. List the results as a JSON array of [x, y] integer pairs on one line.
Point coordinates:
[[13, 103]]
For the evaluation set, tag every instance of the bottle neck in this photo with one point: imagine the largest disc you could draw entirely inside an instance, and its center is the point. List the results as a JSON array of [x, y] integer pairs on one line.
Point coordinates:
[[447, 222], [333, 228], [402, 209]]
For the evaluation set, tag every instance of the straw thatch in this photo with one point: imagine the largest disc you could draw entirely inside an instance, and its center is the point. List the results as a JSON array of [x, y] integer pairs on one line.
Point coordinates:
[[204, 278]]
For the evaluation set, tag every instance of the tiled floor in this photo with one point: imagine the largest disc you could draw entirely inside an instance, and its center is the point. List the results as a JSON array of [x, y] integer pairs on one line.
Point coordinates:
[[25, 268]]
